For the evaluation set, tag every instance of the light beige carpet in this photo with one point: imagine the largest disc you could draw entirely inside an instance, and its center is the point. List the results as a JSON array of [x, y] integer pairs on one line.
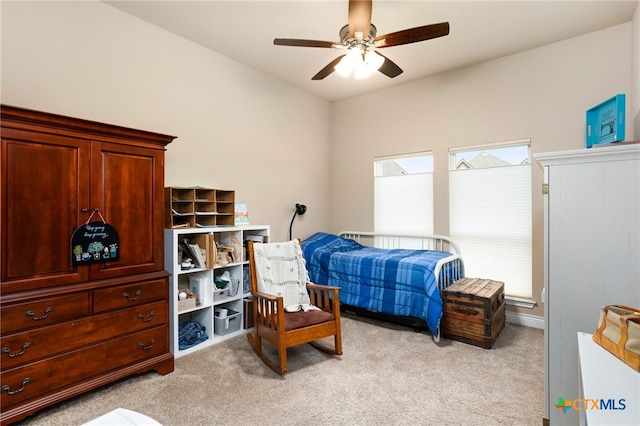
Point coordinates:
[[388, 375]]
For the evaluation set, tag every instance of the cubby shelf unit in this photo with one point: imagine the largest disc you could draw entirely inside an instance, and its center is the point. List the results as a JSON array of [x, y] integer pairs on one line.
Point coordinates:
[[211, 299], [196, 207]]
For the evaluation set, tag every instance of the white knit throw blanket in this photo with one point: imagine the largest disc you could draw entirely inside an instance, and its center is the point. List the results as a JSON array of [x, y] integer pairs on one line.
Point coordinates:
[[281, 271]]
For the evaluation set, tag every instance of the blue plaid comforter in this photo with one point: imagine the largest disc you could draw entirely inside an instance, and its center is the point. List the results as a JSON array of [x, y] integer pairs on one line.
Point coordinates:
[[392, 281]]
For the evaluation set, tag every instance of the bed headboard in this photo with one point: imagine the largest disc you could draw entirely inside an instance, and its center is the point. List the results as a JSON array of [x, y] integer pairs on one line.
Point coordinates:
[[390, 241]]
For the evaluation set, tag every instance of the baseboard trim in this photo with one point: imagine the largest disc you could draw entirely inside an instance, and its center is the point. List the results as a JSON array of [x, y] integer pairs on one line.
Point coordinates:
[[524, 319]]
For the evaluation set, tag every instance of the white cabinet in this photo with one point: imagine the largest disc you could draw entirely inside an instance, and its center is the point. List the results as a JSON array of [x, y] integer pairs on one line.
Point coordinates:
[[592, 256], [220, 311]]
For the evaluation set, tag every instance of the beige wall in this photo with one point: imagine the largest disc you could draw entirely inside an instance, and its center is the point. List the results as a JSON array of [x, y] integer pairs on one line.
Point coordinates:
[[237, 128], [541, 94]]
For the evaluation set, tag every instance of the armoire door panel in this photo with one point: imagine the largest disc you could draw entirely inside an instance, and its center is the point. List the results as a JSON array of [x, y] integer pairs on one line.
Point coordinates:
[[46, 186], [127, 191]]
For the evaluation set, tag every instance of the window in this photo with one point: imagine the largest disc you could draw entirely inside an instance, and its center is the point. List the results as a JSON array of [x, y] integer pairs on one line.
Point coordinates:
[[403, 194], [490, 213]]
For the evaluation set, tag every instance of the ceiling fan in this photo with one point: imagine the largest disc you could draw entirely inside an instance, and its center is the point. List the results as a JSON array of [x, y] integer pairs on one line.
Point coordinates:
[[359, 40]]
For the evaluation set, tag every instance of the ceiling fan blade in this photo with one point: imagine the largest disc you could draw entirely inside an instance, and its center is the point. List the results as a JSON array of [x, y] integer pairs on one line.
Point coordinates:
[[412, 35], [324, 72], [301, 43], [359, 17], [389, 68]]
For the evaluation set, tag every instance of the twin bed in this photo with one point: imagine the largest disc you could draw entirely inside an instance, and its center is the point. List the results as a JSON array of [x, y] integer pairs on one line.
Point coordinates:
[[378, 278]]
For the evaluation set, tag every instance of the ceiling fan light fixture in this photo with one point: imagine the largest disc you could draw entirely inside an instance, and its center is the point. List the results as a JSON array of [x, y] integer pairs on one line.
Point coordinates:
[[374, 60], [349, 62], [343, 68], [362, 65], [354, 57]]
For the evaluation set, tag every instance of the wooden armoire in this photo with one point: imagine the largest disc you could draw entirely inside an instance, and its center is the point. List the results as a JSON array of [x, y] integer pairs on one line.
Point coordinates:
[[66, 327]]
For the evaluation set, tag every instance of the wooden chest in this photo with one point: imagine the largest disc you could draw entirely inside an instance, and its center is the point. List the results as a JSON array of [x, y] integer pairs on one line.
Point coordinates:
[[474, 311]]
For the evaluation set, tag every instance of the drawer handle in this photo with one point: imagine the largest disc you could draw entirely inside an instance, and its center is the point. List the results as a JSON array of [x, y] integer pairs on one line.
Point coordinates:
[[46, 313], [10, 355], [141, 316], [8, 390], [465, 311], [131, 299], [146, 348]]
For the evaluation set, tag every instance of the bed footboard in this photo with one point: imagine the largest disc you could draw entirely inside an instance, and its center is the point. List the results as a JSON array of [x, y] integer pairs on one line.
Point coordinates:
[[448, 271]]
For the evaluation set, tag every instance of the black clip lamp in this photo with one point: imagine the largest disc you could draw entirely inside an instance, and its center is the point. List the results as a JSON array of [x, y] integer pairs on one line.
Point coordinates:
[[300, 210]]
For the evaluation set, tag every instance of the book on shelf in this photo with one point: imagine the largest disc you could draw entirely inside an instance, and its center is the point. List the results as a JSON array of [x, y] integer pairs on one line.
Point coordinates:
[[194, 252], [206, 245], [199, 258]]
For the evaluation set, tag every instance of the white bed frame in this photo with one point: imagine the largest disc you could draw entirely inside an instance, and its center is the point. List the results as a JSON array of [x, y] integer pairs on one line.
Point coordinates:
[[444, 267]]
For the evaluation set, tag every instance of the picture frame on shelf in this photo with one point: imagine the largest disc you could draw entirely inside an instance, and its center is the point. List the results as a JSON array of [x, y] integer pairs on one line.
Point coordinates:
[[605, 122], [241, 214]]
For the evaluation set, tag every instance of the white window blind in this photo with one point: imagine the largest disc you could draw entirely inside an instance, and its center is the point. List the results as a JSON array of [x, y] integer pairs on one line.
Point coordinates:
[[490, 218], [403, 195]]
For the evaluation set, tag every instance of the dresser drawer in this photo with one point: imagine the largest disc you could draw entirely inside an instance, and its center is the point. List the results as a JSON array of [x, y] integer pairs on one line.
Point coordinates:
[[125, 296], [32, 380], [28, 346], [41, 312]]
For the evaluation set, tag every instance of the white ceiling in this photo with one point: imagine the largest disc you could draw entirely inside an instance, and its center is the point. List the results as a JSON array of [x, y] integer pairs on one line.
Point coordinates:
[[480, 31]]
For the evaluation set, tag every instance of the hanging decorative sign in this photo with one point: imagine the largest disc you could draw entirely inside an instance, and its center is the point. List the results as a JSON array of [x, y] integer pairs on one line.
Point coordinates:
[[94, 242]]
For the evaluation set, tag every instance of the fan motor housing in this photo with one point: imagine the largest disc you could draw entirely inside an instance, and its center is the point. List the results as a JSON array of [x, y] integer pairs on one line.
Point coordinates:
[[348, 41]]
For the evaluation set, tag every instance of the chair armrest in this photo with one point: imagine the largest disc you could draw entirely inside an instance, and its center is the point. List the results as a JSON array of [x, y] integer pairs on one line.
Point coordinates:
[[268, 310], [259, 295], [322, 286], [325, 297]]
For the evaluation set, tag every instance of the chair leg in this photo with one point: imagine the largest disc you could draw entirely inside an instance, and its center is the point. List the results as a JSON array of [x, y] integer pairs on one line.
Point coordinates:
[[282, 360], [256, 344]]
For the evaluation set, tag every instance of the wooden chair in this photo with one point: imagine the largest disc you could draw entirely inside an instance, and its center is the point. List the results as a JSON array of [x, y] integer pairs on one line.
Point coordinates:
[[279, 285]]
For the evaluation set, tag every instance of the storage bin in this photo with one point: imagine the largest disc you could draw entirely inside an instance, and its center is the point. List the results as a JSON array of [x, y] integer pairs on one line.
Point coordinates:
[[185, 304], [220, 294], [230, 324]]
